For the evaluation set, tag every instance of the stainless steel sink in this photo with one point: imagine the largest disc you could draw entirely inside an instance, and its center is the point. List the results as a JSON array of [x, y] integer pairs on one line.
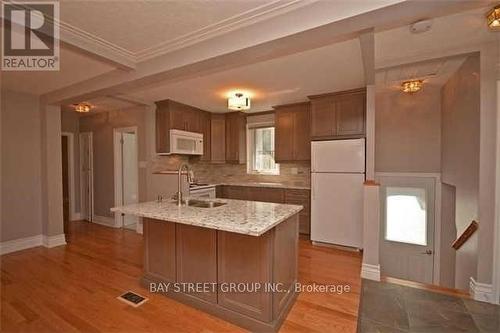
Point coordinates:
[[204, 204]]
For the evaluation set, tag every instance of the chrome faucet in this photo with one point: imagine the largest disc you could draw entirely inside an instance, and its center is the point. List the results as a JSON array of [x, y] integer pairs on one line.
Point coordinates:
[[179, 185]]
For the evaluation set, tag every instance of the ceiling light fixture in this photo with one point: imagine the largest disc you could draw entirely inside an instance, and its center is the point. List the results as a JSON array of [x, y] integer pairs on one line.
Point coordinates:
[[238, 102], [83, 107], [412, 86], [493, 18]]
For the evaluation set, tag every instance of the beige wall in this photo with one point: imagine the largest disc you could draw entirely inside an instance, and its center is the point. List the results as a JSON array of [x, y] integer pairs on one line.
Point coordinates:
[[21, 166], [448, 236], [408, 131], [70, 124], [460, 157], [102, 125]]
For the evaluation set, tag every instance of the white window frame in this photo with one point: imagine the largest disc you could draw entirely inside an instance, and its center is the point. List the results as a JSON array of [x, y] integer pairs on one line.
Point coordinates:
[[250, 146]]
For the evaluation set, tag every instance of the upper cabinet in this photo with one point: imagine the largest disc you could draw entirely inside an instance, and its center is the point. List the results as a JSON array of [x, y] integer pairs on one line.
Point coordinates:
[[338, 115], [292, 130], [235, 138], [175, 115], [218, 137], [206, 129]]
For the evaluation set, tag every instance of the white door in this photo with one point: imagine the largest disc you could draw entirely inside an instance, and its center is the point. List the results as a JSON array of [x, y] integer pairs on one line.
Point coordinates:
[[337, 208], [126, 174], [407, 228], [130, 175], [86, 176]]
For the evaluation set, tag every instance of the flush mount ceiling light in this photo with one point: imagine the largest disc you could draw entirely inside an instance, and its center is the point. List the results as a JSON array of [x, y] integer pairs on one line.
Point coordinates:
[[412, 86], [83, 107], [493, 18], [238, 102]]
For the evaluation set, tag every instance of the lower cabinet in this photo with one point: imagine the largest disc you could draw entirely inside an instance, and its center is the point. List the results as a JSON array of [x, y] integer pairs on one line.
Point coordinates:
[[230, 275], [276, 195], [159, 250], [301, 197]]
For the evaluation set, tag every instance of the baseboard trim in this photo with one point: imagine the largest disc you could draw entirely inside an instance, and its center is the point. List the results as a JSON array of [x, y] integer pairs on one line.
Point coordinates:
[[20, 244], [482, 292], [53, 241], [370, 272], [105, 221], [76, 217], [33, 241]]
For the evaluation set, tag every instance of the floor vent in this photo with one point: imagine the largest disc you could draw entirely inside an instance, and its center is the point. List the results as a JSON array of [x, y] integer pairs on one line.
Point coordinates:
[[133, 299]]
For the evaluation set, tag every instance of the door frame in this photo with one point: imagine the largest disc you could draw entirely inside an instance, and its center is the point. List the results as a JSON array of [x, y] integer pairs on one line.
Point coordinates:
[[73, 216], [437, 214], [117, 170], [82, 190]]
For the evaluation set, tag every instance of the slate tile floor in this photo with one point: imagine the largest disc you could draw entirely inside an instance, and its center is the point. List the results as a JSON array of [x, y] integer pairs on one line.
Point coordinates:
[[388, 308]]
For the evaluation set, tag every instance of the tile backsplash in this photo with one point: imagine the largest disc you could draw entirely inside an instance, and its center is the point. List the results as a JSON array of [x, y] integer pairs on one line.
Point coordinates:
[[295, 174]]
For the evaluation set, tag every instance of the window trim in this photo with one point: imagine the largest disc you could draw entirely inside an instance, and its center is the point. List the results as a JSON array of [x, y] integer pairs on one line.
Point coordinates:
[[250, 143]]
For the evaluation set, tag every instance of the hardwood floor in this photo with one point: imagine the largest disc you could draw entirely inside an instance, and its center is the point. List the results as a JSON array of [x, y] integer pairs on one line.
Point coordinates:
[[73, 288]]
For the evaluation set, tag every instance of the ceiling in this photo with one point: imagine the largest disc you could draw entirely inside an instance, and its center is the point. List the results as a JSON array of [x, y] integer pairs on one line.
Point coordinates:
[[74, 67], [139, 25], [279, 81], [447, 33], [434, 73]]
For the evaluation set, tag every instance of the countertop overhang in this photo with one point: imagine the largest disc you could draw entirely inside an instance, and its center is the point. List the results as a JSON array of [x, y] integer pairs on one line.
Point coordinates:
[[252, 218]]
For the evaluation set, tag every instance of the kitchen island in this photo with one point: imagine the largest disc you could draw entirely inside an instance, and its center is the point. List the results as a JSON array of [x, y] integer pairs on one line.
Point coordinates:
[[235, 259]]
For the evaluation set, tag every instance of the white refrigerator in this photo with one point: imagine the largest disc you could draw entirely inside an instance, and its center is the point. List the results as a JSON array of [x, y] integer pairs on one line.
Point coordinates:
[[337, 177]]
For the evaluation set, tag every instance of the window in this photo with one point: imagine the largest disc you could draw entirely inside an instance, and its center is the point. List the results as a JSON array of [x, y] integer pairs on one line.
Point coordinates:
[[261, 151], [406, 220]]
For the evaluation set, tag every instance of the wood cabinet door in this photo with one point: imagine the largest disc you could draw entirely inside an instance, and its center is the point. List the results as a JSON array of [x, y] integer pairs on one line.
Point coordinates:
[[235, 138], [301, 197], [301, 134], [193, 119], [205, 126], [177, 119], [322, 118], [162, 128], [265, 194], [284, 135], [159, 249], [350, 114], [235, 192], [244, 259], [197, 258], [218, 138], [231, 140]]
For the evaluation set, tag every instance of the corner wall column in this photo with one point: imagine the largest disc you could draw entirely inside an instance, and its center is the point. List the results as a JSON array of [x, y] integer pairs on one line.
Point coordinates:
[[52, 199], [371, 199]]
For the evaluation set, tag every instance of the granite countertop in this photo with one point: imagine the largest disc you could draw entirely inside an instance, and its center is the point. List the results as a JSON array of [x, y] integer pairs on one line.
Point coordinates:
[[266, 184], [239, 216]]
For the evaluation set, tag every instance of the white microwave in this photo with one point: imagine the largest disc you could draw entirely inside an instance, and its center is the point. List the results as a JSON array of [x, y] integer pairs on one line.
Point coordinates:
[[186, 143]]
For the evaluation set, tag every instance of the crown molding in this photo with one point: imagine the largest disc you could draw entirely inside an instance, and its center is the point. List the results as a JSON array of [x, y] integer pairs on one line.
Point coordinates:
[[238, 21], [91, 43], [128, 60]]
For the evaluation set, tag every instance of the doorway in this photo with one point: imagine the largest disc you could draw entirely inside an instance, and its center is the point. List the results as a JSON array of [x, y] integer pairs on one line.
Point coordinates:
[[87, 176], [407, 228], [65, 182], [126, 174]]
